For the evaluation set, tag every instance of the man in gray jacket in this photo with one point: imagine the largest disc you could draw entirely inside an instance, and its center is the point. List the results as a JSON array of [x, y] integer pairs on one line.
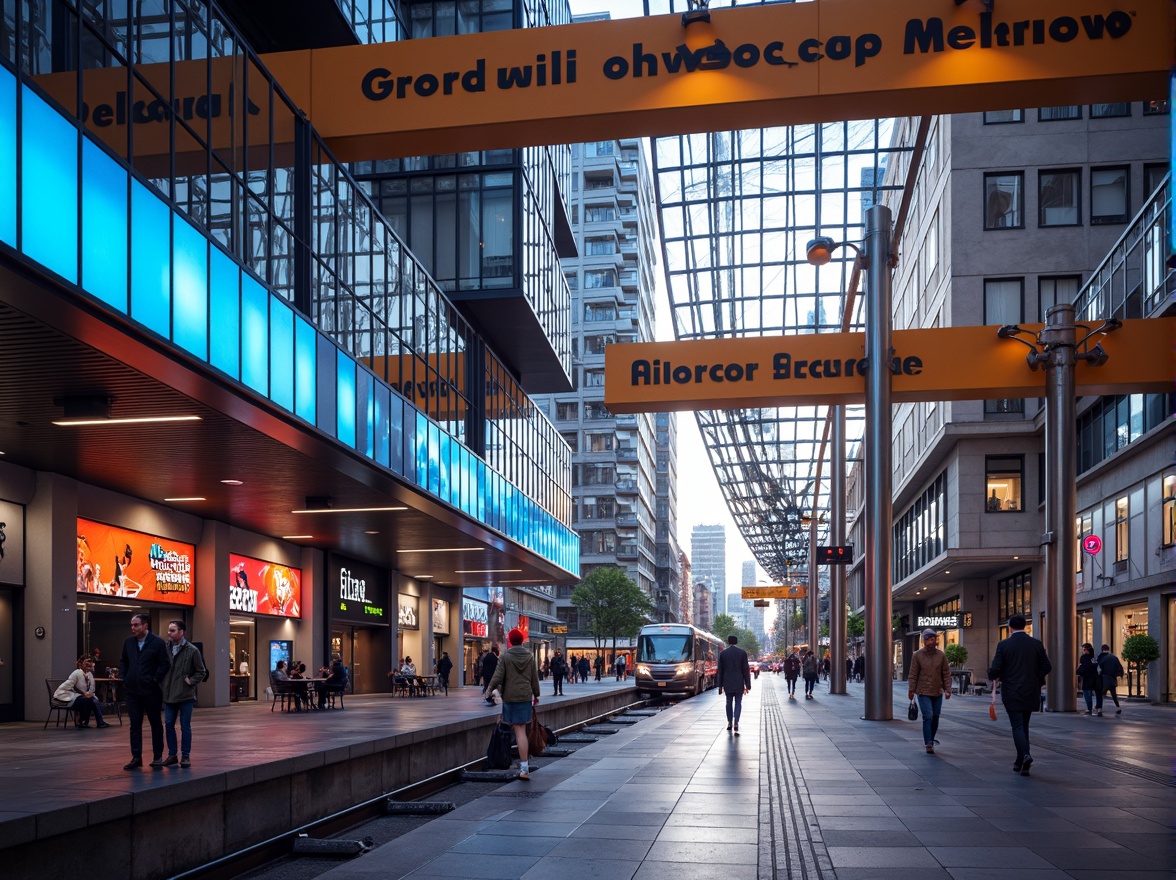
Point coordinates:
[[179, 692], [734, 679]]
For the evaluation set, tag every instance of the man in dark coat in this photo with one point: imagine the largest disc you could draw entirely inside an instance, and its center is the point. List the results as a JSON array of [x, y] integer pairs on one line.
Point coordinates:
[[489, 664], [145, 661], [1021, 665], [734, 679], [1109, 670], [791, 673]]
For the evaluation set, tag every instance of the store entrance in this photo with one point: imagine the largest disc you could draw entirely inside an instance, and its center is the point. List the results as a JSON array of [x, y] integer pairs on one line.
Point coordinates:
[[9, 628], [365, 651], [243, 671]]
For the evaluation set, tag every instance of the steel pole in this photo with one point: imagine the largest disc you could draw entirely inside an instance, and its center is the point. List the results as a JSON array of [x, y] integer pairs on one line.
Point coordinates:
[[814, 597], [837, 538], [1060, 637], [878, 513]]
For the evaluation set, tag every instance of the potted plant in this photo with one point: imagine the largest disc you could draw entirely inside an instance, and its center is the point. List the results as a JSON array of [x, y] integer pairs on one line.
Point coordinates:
[[957, 655], [1139, 650]]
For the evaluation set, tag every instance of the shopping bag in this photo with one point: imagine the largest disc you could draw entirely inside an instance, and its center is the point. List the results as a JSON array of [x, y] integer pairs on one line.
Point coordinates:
[[498, 752], [549, 735], [536, 739], [992, 705], [912, 711]]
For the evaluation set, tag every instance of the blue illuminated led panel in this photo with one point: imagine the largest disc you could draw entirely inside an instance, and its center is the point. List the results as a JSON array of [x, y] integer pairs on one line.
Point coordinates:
[[305, 341], [254, 334], [49, 181], [104, 226], [225, 314], [150, 260], [7, 157], [281, 354], [190, 284], [345, 369]]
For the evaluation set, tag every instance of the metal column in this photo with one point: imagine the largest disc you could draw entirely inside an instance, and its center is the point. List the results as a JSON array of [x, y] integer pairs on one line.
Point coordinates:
[[878, 513], [813, 612], [1061, 506], [837, 538]]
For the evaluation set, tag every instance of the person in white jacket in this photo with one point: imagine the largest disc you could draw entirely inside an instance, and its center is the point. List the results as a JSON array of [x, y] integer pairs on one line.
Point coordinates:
[[78, 693]]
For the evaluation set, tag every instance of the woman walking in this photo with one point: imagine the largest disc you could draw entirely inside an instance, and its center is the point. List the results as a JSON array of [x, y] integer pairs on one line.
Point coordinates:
[[517, 679], [930, 682], [1088, 679], [809, 668]]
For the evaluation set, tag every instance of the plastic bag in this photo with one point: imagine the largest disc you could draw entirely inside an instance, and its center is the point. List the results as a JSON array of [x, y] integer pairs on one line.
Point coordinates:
[[992, 705], [913, 711], [498, 751]]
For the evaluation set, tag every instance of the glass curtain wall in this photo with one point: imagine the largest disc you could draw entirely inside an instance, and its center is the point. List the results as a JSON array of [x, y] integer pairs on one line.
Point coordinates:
[[738, 208]]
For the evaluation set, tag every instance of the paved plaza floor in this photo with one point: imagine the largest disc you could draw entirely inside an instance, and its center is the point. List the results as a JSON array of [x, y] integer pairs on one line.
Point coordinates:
[[810, 790]]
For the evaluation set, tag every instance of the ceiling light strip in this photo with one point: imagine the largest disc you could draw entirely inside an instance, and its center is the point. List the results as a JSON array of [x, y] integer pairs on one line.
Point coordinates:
[[348, 509], [141, 420]]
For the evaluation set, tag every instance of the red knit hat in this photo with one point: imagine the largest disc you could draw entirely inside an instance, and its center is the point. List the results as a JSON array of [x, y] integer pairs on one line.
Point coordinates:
[[515, 636]]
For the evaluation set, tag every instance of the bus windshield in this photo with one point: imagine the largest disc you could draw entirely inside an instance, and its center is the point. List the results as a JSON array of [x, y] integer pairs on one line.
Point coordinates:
[[668, 648]]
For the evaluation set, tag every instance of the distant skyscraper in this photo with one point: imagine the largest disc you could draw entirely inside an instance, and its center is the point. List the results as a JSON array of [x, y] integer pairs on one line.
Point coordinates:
[[708, 560]]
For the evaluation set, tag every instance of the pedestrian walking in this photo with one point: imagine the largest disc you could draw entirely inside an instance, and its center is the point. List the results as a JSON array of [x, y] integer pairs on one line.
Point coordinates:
[[734, 679], [620, 667], [808, 668], [585, 666], [826, 665], [478, 661], [1088, 679], [791, 673], [849, 669], [930, 682], [859, 667], [489, 667], [573, 669], [1021, 665], [598, 665], [444, 667], [1109, 670], [559, 668], [142, 666], [516, 678], [186, 670]]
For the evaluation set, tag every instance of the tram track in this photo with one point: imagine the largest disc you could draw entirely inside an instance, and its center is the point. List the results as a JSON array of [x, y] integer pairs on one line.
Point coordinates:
[[274, 859]]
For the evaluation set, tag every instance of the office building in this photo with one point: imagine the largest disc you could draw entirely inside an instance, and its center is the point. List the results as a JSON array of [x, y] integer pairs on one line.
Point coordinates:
[[708, 559]]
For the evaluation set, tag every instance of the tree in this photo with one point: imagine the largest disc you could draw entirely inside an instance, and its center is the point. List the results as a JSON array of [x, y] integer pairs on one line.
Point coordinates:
[[723, 626], [748, 642], [1139, 650], [957, 655], [855, 625], [611, 605]]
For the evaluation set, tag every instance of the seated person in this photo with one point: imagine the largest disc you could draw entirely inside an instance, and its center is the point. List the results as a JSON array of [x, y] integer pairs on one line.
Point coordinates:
[[78, 693], [297, 673], [408, 670], [336, 681], [280, 679]]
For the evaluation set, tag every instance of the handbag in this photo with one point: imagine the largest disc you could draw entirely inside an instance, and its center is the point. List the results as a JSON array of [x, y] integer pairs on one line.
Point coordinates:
[[536, 738], [498, 755], [912, 712]]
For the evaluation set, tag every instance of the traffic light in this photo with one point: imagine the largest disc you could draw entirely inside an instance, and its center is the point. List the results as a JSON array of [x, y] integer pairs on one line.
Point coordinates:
[[842, 555]]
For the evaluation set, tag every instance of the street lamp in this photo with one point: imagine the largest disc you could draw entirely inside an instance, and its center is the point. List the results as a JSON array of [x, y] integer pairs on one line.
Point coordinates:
[[877, 258]]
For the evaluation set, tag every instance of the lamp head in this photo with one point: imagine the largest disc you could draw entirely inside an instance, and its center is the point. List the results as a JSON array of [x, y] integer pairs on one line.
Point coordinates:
[[819, 251]]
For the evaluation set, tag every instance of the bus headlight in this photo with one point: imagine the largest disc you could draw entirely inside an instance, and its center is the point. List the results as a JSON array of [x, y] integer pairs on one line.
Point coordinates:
[[643, 670], [684, 669]]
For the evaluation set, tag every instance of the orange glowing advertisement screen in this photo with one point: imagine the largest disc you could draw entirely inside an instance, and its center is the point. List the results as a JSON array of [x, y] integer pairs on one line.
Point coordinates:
[[133, 565], [260, 587]]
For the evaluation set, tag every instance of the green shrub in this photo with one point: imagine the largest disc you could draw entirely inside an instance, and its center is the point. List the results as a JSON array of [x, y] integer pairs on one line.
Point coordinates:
[[957, 655]]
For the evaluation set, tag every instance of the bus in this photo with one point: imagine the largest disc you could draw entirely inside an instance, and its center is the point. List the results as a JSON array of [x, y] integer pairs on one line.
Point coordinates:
[[676, 658]]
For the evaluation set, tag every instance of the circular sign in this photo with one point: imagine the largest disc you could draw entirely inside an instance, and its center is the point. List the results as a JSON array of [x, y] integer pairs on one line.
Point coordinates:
[[1092, 544]]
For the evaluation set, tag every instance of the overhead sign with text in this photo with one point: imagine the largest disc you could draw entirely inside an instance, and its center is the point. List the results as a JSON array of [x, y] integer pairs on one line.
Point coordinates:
[[261, 587], [749, 67], [357, 592], [134, 565], [948, 363]]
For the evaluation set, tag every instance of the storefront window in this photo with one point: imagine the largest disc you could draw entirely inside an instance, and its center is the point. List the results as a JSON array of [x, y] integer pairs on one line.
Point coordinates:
[[1169, 515], [1127, 621], [1122, 529], [1169, 696]]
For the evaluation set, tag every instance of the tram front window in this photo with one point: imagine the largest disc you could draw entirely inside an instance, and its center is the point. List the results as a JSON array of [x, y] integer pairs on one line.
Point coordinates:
[[663, 649]]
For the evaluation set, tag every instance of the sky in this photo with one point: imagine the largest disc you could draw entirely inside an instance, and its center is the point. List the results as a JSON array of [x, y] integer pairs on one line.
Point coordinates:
[[700, 501]]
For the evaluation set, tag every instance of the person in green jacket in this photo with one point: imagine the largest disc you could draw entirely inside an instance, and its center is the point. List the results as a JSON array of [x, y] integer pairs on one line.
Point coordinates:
[[516, 678], [179, 692]]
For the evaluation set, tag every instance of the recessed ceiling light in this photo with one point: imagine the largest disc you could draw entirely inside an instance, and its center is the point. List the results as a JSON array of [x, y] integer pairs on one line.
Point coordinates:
[[141, 420], [297, 537], [487, 570], [348, 509], [233, 482], [1016, 557], [445, 550], [371, 532], [193, 498], [947, 571], [422, 577]]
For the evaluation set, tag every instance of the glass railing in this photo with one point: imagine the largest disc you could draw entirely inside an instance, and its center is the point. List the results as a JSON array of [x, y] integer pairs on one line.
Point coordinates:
[[1135, 280]]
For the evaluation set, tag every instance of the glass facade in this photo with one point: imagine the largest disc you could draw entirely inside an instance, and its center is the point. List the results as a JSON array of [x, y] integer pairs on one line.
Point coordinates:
[[264, 261], [919, 533]]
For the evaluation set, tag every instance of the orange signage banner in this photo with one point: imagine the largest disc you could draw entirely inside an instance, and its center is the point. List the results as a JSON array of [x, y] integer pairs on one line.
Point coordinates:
[[134, 565], [749, 67], [949, 363]]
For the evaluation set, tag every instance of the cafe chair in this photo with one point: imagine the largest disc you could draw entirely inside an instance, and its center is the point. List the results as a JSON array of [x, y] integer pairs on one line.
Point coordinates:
[[336, 693], [399, 685], [52, 684], [283, 695]]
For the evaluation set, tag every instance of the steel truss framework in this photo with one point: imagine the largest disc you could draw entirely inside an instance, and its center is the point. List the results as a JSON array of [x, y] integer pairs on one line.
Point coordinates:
[[737, 209]]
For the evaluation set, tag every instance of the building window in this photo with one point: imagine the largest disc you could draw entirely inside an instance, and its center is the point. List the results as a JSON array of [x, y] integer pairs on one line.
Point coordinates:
[[594, 378], [599, 312], [1052, 291], [598, 278], [596, 410], [1014, 595], [599, 214], [596, 247], [600, 148], [1156, 108], [596, 344], [1003, 117], [1153, 176], [1122, 529], [566, 411], [1114, 422], [1109, 111], [1004, 200], [1003, 482], [1003, 301], [1058, 198], [1169, 515], [918, 534], [1108, 195], [1053, 114], [599, 442], [573, 440], [1083, 526]]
